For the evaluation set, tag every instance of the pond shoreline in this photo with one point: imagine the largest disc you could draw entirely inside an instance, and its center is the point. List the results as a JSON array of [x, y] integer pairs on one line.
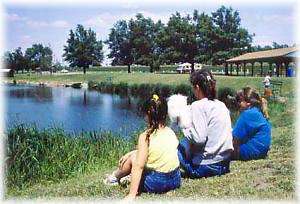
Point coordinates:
[[47, 83]]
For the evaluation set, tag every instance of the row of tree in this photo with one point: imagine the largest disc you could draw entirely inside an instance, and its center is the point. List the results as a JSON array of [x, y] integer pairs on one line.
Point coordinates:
[[196, 38], [37, 56], [200, 38]]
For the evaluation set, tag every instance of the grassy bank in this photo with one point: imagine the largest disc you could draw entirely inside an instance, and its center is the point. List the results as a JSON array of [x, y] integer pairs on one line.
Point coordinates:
[[50, 163]]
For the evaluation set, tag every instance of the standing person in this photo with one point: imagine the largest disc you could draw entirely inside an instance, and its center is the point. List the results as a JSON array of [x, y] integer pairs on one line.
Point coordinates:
[[267, 84], [252, 130], [154, 166], [267, 81], [207, 146]]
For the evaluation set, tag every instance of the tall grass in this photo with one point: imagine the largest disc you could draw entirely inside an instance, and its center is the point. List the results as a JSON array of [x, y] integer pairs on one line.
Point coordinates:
[[51, 154]]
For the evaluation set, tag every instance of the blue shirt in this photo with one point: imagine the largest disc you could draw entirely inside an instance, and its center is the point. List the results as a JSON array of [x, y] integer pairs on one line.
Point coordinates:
[[253, 127]]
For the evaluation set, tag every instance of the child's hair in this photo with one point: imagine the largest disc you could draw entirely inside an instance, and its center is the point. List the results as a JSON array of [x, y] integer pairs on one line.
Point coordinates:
[[205, 80], [156, 109], [251, 96]]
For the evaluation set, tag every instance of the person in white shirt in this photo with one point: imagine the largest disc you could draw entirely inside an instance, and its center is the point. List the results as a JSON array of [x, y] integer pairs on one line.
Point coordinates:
[[207, 146], [267, 81]]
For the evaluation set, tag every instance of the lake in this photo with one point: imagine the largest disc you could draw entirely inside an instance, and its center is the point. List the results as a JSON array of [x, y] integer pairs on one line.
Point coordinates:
[[74, 110]]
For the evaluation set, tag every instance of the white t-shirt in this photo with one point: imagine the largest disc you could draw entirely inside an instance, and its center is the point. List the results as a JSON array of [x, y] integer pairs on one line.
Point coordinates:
[[211, 131], [267, 80]]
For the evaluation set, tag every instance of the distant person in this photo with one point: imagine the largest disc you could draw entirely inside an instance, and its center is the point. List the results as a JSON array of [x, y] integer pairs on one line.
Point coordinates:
[[207, 146], [252, 130], [267, 81], [267, 84], [154, 166]]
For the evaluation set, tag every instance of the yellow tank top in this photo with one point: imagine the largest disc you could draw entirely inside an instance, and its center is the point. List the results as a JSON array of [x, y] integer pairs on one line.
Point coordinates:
[[162, 152]]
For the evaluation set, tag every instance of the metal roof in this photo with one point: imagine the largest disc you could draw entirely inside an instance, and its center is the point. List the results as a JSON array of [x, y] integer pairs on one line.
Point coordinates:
[[262, 55]]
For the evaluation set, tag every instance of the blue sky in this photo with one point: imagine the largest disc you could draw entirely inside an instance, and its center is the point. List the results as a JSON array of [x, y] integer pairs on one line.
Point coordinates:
[[50, 24]]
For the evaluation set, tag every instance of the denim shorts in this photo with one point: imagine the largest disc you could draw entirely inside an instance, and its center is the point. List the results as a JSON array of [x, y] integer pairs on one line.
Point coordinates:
[[159, 182], [198, 171]]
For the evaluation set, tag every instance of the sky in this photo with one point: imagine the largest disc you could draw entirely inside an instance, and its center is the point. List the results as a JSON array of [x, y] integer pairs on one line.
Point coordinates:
[[50, 23]]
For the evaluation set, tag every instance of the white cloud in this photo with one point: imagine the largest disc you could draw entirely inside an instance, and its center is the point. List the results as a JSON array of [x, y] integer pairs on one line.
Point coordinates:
[[25, 41], [60, 24], [14, 17], [54, 24], [278, 19], [130, 5], [106, 20]]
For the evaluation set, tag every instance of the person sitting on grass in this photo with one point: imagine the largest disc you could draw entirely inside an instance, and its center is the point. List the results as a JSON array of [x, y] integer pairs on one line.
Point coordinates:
[[154, 166], [207, 146], [252, 130]]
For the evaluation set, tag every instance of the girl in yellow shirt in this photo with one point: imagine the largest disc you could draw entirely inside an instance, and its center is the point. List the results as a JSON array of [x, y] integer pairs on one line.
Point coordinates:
[[154, 166]]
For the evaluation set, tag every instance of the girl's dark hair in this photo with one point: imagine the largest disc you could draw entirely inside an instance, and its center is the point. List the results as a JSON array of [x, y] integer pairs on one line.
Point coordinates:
[[156, 109], [205, 80], [251, 96]]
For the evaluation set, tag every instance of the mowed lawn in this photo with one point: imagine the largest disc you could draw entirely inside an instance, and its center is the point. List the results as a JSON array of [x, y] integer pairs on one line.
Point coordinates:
[[272, 178], [153, 78]]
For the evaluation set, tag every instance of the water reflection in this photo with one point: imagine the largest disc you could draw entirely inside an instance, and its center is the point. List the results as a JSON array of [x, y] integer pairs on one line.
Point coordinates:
[[75, 110], [39, 94]]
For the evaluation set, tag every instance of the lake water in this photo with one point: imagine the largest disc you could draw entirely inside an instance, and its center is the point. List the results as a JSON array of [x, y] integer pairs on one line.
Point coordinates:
[[75, 110]]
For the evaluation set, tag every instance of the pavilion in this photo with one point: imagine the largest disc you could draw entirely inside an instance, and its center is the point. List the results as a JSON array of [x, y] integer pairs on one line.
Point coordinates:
[[281, 57]]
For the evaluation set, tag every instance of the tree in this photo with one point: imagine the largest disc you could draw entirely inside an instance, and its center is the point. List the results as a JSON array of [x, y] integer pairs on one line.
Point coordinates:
[[83, 49], [16, 60], [143, 35], [39, 56], [231, 39], [178, 40], [205, 36], [120, 45]]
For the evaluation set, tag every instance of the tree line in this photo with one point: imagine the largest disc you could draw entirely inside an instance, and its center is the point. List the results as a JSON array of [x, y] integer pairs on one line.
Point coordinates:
[[195, 38]]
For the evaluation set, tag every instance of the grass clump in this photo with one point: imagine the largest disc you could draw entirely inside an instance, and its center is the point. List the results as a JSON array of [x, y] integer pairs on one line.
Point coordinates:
[[50, 155]]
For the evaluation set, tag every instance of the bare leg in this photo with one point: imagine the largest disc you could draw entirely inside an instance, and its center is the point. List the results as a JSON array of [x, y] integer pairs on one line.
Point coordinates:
[[126, 168]]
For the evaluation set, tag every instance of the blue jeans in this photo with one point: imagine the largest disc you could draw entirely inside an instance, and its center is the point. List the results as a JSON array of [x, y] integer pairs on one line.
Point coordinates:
[[158, 182], [251, 150], [199, 171]]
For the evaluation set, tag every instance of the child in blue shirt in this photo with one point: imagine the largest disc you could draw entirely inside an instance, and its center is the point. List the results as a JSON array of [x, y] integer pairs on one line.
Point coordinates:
[[252, 131]]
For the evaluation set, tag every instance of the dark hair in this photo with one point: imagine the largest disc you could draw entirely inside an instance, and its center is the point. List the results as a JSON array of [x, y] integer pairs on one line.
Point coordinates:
[[205, 80], [251, 96], [156, 109]]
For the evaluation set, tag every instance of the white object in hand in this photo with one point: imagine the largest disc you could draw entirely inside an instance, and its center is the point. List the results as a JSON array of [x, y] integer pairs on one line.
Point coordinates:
[[179, 111]]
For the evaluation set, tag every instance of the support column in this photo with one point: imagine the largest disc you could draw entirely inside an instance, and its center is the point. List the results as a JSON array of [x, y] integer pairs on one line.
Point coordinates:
[[286, 65], [270, 68], [244, 68], [237, 69], [252, 69], [261, 69], [226, 69], [231, 69], [277, 69]]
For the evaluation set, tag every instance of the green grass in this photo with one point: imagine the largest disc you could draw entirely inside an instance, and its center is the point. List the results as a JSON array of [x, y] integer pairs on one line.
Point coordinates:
[[272, 178], [151, 78]]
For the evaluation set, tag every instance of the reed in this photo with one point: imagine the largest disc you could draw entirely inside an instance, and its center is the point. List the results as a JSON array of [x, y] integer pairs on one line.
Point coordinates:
[[34, 155]]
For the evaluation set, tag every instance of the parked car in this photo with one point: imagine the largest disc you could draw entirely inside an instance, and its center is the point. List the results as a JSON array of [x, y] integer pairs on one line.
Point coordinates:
[[187, 67], [64, 71]]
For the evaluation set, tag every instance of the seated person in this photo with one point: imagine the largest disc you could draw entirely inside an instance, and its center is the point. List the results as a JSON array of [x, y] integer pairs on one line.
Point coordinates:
[[252, 130], [207, 146], [154, 166]]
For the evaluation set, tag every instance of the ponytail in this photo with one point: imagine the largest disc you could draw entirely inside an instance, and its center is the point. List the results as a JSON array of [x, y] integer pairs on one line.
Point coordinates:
[[156, 109], [205, 80], [251, 96], [264, 108]]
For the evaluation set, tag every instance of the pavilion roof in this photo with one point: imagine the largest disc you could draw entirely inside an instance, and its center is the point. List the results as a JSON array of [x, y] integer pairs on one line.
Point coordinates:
[[263, 55]]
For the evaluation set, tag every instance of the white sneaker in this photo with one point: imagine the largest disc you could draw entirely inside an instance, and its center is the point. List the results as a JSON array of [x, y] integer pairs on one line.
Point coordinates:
[[111, 180], [125, 180]]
